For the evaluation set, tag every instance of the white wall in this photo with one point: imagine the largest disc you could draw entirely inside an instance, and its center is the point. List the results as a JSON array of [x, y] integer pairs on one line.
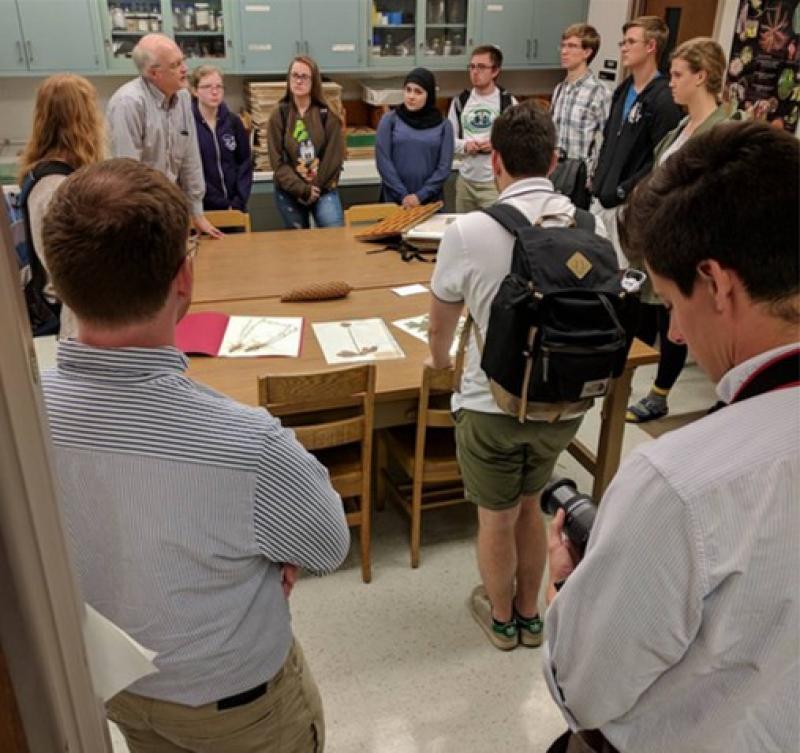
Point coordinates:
[[607, 16]]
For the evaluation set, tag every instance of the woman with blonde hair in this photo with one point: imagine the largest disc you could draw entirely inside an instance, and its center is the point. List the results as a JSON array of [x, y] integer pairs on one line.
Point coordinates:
[[68, 133], [696, 73], [306, 149]]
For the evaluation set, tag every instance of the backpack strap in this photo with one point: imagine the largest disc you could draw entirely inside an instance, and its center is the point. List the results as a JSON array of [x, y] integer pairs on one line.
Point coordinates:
[[508, 216], [460, 103], [584, 220]]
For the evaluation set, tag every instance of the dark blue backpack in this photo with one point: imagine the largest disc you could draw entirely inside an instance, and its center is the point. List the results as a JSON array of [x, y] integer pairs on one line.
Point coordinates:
[[43, 314]]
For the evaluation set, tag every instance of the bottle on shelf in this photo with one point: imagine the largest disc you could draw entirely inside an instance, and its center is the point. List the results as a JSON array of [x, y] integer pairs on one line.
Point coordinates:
[[212, 20], [143, 22], [448, 47], [130, 19], [387, 49], [201, 16], [177, 17], [220, 21], [155, 19], [117, 17], [188, 18]]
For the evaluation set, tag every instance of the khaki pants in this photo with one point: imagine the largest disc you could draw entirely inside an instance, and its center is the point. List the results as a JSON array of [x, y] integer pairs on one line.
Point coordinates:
[[471, 196], [286, 719]]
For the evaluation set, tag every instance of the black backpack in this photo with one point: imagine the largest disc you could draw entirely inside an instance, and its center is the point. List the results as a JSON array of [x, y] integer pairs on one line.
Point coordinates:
[[562, 321], [43, 314]]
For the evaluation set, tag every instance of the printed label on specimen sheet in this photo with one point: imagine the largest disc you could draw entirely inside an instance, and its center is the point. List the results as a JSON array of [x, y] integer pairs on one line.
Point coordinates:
[[356, 340]]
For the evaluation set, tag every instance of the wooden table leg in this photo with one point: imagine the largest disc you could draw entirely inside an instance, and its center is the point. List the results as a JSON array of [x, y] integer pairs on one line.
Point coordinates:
[[612, 427]]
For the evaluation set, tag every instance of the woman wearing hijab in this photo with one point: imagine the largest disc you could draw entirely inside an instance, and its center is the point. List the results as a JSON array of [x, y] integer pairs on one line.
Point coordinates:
[[414, 145]]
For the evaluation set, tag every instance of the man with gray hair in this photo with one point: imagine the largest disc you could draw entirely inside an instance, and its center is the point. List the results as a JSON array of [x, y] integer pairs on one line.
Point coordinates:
[[151, 121]]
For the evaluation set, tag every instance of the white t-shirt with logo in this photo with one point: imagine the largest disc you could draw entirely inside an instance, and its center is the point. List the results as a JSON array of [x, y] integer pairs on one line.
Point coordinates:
[[476, 124]]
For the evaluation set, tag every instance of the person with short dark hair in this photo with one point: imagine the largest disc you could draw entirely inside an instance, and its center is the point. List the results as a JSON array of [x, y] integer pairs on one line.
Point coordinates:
[[678, 629], [150, 119], [581, 101], [697, 69], [306, 151], [472, 114], [187, 513], [642, 113], [414, 145], [504, 463]]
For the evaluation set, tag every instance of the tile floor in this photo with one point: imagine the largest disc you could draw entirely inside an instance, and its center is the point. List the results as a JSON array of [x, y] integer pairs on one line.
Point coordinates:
[[401, 665]]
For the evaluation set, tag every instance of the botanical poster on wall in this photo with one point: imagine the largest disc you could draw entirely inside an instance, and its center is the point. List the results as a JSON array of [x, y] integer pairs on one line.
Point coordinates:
[[763, 74]]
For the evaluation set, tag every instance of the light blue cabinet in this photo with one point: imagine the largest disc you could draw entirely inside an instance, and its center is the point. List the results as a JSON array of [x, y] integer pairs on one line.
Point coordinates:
[[273, 32], [550, 19], [331, 33], [436, 34], [270, 34], [508, 24], [48, 36], [203, 30], [528, 31]]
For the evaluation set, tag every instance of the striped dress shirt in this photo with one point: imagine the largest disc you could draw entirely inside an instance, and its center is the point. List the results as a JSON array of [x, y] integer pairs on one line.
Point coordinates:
[[679, 631], [580, 110], [179, 503]]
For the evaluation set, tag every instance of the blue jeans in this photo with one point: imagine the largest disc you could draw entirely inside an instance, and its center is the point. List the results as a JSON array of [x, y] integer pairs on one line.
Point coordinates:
[[327, 210]]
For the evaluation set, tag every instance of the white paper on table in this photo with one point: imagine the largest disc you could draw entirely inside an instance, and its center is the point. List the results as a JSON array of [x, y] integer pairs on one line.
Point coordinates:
[[248, 336], [414, 289], [115, 659], [356, 340], [417, 326]]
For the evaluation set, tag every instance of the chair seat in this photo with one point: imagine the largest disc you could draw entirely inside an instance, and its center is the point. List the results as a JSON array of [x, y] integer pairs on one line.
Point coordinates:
[[439, 461]]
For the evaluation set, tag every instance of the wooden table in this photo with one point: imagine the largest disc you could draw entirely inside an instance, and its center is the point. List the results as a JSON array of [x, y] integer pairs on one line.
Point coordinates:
[[398, 380], [263, 265]]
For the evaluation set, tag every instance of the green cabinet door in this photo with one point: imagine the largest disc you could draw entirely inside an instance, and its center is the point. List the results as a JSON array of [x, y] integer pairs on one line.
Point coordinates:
[[271, 34], [59, 35], [551, 17], [12, 45], [509, 25], [331, 33]]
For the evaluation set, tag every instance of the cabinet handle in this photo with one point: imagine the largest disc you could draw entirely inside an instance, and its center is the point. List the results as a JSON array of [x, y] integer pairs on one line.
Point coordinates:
[[21, 58], [30, 50], [536, 48], [297, 46], [470, 42], [528, 49], [308, 52]]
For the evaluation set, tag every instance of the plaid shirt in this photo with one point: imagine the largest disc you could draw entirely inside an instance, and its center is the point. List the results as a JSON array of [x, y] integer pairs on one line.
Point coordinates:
[[580, 111]]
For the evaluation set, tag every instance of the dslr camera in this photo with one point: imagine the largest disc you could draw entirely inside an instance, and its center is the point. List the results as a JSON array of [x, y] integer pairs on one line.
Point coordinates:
[[579, 510]]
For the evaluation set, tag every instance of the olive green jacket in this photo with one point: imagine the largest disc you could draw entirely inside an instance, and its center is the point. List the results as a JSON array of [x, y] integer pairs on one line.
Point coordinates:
[[718, 116]]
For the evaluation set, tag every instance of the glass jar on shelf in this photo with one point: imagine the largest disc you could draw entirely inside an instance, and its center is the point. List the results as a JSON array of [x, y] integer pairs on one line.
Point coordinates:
[[117, 15], [201, 16], [188, 18]]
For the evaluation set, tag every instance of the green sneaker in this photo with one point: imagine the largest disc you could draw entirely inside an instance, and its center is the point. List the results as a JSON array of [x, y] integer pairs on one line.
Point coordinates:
[[530, 631], [503, 636]]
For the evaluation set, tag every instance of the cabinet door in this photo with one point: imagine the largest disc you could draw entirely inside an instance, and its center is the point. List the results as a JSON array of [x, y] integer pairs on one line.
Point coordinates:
[[509, 24], [447, 35], [393, 34], [12, 51], [59, 35], [270, 34], [203, 31], [551, 17], [331, 33]]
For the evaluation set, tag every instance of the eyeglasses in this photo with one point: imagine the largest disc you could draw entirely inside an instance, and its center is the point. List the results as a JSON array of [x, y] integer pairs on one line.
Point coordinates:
[[192, 244], [630, 42], [480, 67], [300, 77], [212, 87]]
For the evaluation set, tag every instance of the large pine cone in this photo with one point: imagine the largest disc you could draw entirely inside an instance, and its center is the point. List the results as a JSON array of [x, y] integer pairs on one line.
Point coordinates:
[[318, 291]]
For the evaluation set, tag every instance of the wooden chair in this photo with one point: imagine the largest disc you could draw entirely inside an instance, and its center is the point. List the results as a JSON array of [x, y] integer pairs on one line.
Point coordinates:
[[360, 213], [223, 218], [332, 415], [425, 455]]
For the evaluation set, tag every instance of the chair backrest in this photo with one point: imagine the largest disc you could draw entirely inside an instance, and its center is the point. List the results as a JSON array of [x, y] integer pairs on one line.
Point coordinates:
[[435, 383], [368, 213], [229, 218], [326, 408]]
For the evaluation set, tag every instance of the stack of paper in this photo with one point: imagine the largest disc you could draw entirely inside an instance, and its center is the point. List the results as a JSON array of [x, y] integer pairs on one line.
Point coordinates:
[[429, 233], [261, 99]]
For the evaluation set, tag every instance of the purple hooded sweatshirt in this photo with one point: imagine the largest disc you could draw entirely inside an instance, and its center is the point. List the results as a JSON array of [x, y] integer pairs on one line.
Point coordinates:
[[227, 165]]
